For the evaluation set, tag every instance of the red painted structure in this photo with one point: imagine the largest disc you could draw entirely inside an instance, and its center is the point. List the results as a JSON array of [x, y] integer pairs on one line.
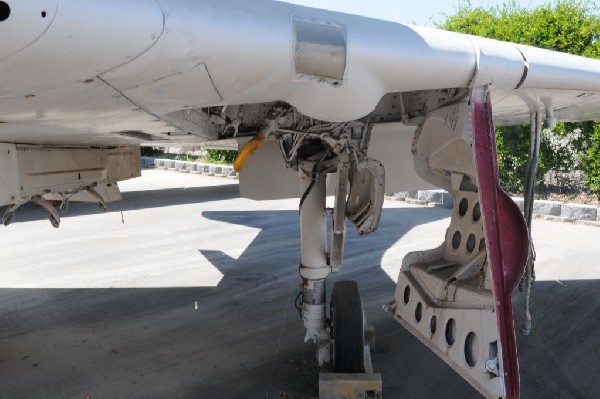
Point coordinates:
[[507, 237]]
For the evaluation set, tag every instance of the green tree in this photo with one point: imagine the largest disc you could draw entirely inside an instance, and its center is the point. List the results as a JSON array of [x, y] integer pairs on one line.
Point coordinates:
[[569, 26]]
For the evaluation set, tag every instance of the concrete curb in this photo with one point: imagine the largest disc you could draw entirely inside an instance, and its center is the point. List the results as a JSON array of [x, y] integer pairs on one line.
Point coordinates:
[[189, 167], [548, 210], [557, 211], [437, 198]]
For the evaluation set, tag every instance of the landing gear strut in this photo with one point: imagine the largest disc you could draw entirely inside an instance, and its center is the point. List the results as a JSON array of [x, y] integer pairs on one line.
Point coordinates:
[[341, 339], [314, 268]]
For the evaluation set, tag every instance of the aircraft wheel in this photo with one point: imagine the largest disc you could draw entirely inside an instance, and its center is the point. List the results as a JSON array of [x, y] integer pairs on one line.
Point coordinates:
[[346, 314]]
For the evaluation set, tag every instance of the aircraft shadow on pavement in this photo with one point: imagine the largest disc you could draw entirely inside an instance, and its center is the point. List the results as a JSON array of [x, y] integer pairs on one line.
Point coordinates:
[[133, 200], [363, 256], [245, 340]]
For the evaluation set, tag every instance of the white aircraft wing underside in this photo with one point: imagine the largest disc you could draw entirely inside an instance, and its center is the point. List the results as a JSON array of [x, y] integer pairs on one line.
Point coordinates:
[[122, 72]]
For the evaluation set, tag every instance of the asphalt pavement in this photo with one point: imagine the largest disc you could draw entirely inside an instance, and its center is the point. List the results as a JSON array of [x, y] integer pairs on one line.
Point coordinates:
[[193, 297]]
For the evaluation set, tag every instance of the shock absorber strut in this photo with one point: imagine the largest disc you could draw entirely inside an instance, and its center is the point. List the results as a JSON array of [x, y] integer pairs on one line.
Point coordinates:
[[314, 268]]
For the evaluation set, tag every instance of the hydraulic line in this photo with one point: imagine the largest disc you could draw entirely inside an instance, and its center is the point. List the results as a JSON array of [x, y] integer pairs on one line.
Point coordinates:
[[532, 165]]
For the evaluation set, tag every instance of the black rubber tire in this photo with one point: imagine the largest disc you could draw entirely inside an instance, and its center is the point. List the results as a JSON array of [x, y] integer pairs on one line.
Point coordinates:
[[347, 328]]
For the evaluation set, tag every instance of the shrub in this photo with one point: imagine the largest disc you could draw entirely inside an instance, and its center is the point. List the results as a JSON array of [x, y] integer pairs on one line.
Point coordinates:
[[221, 156], [152, 151], [590, 162]]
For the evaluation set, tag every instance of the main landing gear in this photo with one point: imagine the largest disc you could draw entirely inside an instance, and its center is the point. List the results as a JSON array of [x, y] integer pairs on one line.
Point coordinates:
[[318, 149], [341, 345]]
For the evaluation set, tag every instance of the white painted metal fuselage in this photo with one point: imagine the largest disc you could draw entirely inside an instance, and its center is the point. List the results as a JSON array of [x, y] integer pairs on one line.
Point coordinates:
[[73, 72]]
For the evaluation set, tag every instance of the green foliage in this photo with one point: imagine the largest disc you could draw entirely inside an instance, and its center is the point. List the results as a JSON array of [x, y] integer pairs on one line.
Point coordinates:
[[511, 143], [212, 156], [221, 156], [570, 26], [152, 151], [591, 161], [187, 158], [563, 152]]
